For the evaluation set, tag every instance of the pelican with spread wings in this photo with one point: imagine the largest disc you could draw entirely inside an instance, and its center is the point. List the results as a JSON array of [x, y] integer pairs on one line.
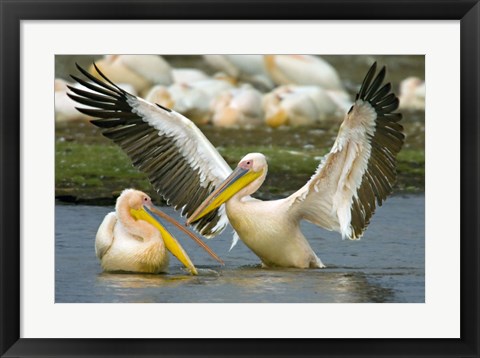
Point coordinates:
[[184, 167]]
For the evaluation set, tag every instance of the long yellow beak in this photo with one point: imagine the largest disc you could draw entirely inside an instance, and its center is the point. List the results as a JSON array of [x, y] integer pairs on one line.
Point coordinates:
[[236, 181], [171, 243], [184, 230]]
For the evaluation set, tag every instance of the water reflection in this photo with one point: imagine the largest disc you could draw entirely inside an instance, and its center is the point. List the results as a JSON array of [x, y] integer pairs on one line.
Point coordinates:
[[127, 280], [387, 265], [249, 284]]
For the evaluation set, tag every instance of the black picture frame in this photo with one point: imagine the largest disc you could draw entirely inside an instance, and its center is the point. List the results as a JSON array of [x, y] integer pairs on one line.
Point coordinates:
[[13, 12]]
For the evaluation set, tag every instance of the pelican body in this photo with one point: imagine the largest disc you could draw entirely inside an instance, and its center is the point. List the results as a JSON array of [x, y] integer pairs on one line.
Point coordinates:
[[342, 195], [127, 251], [275, 239], [131, 240]]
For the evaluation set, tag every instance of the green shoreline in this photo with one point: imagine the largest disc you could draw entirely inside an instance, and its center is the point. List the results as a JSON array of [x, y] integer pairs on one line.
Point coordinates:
[[89, 169]]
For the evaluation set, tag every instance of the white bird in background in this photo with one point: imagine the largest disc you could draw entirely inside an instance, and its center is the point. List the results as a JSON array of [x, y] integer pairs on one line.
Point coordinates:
[[139, 71], [247, 68], [300, 105], [131, 240], [191, 99], [412, 94], [183, 166], [159, 94], [188, 75], [237, 107], [302, 70]]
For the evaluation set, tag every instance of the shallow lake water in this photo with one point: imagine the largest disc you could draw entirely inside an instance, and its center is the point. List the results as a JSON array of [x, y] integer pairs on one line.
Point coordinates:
[[386, 265]]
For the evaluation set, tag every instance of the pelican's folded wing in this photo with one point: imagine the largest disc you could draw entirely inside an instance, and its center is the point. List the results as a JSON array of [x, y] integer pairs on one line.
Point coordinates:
[[104, 238], [180, 162], [359, 171]]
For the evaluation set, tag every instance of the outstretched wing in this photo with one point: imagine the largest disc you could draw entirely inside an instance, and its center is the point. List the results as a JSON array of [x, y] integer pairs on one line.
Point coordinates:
[[180, 162], [359, 171]]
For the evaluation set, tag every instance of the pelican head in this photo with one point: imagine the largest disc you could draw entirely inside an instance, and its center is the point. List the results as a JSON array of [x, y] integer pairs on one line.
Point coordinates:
[[134, 199], [247, 177]]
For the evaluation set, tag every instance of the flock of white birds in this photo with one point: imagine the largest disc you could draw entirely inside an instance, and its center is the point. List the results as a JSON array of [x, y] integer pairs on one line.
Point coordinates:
[[246, 90]]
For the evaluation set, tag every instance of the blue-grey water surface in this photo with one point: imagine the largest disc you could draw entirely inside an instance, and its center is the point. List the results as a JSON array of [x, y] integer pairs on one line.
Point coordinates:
[[386, 265]]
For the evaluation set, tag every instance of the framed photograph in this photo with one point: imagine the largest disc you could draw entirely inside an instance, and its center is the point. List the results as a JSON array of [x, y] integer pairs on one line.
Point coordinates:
[[409, 287]]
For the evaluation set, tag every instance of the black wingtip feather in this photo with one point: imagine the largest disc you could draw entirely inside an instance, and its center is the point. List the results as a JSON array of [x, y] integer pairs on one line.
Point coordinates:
[[107, 79], [380, 97], [366, 81], [377, 82], [164, 108], [96, 88], [108, 84], [381, 93], [91, 95]]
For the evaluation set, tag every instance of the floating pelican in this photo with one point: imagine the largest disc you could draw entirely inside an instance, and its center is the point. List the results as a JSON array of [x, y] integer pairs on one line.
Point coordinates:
[[131, 240], [183, 166]]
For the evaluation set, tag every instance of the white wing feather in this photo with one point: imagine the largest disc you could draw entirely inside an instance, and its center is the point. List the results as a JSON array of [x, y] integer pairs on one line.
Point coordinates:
[[327, 197], [180, 162], [359, 171]]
